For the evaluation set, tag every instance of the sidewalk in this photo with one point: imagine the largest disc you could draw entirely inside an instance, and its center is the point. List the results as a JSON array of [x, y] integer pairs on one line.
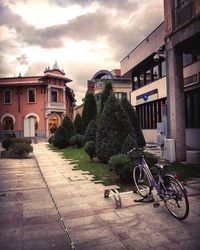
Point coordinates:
[[44, 204]]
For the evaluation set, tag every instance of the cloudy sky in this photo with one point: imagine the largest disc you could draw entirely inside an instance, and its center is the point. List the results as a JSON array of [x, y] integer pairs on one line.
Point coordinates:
[[84, 36]]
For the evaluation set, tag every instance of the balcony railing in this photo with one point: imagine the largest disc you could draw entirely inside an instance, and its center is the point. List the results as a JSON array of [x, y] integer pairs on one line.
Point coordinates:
[[55, 105], [184, 11]]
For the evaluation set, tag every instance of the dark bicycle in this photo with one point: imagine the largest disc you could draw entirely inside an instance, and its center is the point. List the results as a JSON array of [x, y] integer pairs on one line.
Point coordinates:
[[167, 187]]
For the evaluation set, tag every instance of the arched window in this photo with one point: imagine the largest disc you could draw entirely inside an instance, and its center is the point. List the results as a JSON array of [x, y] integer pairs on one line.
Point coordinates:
[[8, 123]]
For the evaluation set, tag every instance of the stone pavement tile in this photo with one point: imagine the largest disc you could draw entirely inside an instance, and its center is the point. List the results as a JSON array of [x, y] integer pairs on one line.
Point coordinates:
[[37, 209], [10, 196], [74, 208], [191, 244], [36, 195], [12, 233], [14, 245], [84, 223], [110, 217], [9, 220], [41, 230], [58, 242], [10, 207]]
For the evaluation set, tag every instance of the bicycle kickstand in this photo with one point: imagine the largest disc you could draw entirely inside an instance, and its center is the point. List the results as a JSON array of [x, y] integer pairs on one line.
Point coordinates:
[[146, 198]]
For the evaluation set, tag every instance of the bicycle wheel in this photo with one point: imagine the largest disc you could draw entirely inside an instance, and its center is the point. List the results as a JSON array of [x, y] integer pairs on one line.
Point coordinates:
[[176, 199], [141, 181]]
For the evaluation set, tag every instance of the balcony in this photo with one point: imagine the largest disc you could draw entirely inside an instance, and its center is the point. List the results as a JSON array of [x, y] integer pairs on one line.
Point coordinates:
[[55, 105]]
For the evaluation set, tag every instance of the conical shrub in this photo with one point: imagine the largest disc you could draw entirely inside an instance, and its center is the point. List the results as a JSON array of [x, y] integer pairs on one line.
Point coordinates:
[[114, 126]]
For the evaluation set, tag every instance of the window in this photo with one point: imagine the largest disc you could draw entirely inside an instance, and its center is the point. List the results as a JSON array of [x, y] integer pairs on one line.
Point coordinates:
[[163, 68], [54, 95], [7, 96], [8, 123], [98, 97], [155, 73], [31, 95], [192, 104], [150, 113], [120, 95]]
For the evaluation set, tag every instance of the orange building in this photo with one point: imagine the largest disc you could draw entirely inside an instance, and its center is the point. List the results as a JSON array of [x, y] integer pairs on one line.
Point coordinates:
[[35, 104]]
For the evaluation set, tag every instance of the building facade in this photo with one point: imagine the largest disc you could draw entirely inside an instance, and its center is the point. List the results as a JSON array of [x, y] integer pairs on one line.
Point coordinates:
[[35, 104], [121, 85], [165, 71]]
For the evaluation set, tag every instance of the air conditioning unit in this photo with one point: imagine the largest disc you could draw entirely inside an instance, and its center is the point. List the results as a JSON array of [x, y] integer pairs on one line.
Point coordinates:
[[169, 150]]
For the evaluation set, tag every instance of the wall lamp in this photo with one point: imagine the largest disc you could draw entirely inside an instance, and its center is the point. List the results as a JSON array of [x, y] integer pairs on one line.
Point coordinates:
[[159, 54]]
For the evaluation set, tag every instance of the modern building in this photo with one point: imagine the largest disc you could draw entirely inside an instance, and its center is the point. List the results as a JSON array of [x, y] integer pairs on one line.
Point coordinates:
[[32, 105], [121, 85], [165, 71]]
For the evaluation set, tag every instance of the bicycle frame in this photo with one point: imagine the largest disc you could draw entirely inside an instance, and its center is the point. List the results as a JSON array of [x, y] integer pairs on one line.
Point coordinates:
[[150, 177]]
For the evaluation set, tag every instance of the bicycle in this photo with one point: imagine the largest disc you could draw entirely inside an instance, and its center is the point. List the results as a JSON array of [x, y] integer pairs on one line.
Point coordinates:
[[168, 188]]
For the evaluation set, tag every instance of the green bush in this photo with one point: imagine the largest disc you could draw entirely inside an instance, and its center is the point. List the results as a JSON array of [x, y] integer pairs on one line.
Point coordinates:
[[90, 149], [69, 126], [90, 132], [7, 143], [114, 126], [135, 122], [21, 150], [121, 165], [79, 125], [50, 140], [76, 141], [89, 109], [128, 144], [61, 138], [150, 158]]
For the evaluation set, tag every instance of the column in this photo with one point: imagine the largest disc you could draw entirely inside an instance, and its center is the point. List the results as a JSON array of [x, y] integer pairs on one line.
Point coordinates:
[[175, 100]]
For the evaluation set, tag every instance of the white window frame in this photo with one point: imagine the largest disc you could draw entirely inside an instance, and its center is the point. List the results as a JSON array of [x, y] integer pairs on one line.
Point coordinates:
[[28, 94], [4, 101]]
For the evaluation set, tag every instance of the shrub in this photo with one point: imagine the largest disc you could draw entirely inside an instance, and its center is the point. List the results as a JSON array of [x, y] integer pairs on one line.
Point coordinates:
[[114, 126], [90, 132], [61, 138], [135, 122], [7, 143], [128, 144], [20, 149], [108, 89], [121, 165], [79, 125], [150, 158], [69, 126], [50, 140], [90, 149], [76, 141], [89, 109]]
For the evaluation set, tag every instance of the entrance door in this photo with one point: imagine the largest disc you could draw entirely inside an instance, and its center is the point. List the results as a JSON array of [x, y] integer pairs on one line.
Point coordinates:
[[53, 124], [29, 127]]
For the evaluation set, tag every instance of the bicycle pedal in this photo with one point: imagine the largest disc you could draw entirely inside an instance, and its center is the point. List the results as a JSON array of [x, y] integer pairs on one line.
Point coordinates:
[[156, 204]]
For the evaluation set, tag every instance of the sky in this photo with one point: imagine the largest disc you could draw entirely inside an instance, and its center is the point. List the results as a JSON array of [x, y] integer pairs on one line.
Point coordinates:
[[83, 36]]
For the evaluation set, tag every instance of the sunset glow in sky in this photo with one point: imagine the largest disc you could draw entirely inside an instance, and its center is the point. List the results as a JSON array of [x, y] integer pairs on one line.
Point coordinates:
[[84, 36]]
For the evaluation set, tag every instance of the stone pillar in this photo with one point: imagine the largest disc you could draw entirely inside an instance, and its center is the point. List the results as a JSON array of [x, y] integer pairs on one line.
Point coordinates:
[[175, 100]]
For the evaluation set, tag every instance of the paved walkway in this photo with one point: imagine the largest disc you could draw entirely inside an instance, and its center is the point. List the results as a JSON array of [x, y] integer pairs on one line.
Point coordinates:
[[45, 204]]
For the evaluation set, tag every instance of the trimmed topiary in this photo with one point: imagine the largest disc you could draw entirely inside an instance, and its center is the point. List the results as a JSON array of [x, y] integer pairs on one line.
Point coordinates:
[[69, 126], [128, 144], [20, 150], [114, 126], [90, 132], [135, 122], [121, 165], [61, 138], [8, 142], [76, 141], [89, 109], [79, 125], [108, 89], [50, 140], [90, 149]]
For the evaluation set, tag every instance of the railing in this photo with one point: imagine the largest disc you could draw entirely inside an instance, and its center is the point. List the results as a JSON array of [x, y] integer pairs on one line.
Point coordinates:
[[58, 105]]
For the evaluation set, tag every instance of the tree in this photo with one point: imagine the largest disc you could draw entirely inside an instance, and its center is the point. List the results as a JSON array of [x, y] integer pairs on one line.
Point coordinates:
[[128, 144], [79, 125], [105, 94], [90, 132], [135, 122], [114, 126], [89, 109], [69, 126], [61, 138]]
